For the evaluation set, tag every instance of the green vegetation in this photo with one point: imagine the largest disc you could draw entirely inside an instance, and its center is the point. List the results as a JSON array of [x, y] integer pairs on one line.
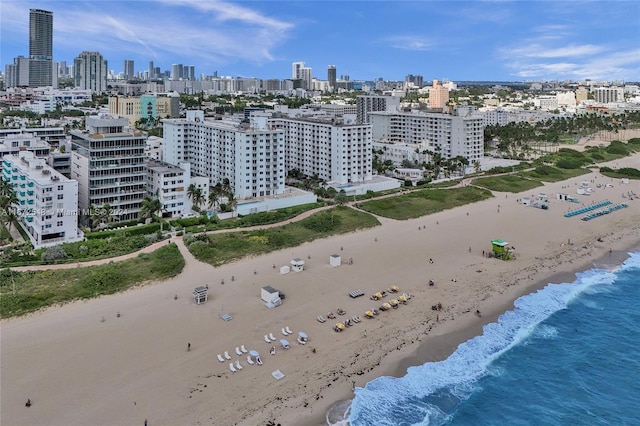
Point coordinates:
[[508, 169], [624, 172], [421, 203], [507, 183], [218, 249], [24, 292], [552, 174], [204, 223]]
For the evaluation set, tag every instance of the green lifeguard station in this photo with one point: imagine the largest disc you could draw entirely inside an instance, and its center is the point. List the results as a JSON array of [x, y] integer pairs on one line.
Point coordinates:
[[500, 249]]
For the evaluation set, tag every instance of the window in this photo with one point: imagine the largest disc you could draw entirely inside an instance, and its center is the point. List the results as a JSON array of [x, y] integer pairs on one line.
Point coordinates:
[[59, 223], [60, 196]]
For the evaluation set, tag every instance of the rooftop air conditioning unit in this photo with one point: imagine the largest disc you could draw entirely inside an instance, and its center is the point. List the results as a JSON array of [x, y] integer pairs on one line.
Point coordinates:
[[46, 172]]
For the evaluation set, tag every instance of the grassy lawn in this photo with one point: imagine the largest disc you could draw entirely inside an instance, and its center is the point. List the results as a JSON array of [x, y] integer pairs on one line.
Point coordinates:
[[38, 289], [421, 203], [553, 174], [218, 249], [507, 183]]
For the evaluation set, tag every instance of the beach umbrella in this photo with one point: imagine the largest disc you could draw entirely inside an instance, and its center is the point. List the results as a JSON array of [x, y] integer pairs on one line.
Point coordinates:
[[302, 334], [254, 354], [284, 342]]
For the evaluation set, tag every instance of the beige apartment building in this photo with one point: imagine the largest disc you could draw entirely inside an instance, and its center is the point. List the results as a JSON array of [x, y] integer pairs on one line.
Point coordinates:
[[154, 106], [438, 95]]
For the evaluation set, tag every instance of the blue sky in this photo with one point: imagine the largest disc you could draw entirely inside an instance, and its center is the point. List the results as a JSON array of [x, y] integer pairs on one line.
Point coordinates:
[[458, 40]]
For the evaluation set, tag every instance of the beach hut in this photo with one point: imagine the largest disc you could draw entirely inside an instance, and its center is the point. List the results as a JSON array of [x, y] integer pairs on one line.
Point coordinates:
[[284, 269], [335, 260], [200, 295], [297, 265], [270, 296], [500, 249]]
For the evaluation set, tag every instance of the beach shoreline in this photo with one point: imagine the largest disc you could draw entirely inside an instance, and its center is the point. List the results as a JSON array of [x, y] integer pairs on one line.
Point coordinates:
[[136, 366]]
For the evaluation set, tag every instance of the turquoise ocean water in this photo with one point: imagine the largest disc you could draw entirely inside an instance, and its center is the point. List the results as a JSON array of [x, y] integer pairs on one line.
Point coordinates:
[[568, 354]]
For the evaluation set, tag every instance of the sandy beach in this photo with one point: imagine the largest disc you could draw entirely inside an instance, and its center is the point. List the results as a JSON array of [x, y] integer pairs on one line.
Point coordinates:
[[78, 369]]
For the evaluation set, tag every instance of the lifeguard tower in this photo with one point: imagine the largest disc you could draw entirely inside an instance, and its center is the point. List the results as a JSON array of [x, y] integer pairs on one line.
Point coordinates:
[[200, 295], [500, 249]]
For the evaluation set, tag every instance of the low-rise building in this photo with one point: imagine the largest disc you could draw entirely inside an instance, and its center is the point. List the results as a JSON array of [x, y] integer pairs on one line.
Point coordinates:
[[169, 183], [47, 206]]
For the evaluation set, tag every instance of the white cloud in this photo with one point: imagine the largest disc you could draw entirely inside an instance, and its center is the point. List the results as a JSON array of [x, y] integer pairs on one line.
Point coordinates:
[[536, 50], [409, 43]]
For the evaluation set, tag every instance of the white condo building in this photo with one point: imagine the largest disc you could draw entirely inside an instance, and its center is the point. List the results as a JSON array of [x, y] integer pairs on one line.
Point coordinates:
[[169, 183], [251, 156], [449, 135], [366, 104], [47, 201], [337, 151]]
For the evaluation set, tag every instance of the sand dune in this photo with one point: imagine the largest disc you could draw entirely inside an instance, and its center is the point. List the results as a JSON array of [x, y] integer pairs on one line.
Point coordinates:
[[78, 370]]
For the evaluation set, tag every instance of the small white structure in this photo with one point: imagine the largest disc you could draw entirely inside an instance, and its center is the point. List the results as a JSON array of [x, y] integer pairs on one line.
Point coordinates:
[[284, 269], [200, 295], [526, 201], [269, 294], [297, 265], [542, 196], [562, 196], [624, 181], [335, 260]]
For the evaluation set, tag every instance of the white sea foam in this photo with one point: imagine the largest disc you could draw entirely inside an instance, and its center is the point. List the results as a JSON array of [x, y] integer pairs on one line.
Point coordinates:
[[430, 392]]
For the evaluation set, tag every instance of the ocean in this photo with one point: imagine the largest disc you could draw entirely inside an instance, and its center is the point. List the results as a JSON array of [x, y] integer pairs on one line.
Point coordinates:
[[567, 354]]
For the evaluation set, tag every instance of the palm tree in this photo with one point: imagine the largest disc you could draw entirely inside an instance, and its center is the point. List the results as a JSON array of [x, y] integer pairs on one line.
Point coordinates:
[[231, 201], [150, 207], [215, 192], [102, 215], [195, 195], [8, 198]]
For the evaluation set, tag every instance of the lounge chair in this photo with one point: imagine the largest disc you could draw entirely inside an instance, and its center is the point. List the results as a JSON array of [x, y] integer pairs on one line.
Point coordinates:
[[302, 342], [238, 351], [288, 330], [266, 338], [233, 370], [284, 332], [321, 319], [243, 350], [249, 360], [238, 366], [259, 361], [272, 337], [226, 355], [220, 358]]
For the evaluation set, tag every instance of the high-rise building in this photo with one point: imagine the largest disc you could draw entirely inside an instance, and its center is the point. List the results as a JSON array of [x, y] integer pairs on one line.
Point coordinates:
[[607, 95], [331, 77], [128, 69], [415, 80], [306, 77], [295, 70], [152, 71], [90, 72], [438, 95], [372, 103], [17, 74], [108, 163], [40, 48], [177, 72]]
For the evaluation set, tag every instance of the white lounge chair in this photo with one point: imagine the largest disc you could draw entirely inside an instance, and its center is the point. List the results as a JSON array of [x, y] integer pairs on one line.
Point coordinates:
[[259, 361], [238, 366], [226, 355], [266, 338], [233, 370], [238, 352], [243, 350], [220, 358], [302, 342], [249, 360], [288, 330], [272, 337], [284, 332], [321, 319]]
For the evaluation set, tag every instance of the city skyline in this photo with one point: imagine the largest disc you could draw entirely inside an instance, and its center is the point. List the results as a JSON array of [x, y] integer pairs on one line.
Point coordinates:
[[479, 40]]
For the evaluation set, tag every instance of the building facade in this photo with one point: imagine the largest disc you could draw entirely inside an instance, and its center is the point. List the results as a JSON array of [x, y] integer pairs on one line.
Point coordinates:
[[337, 151], [250, 155], [40, 48], [332, 77], [448, 135], [366, 104], [108, 163], [90, 72], [146, 107], [47, 206], [169, 183], [438, 96]]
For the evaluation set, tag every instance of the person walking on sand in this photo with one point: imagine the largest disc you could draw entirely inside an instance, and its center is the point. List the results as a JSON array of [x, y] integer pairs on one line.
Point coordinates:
[[28, 404], [188, 347]]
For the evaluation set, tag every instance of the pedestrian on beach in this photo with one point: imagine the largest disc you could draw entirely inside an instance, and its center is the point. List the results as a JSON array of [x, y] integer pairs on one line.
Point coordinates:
[[28, 404], [188, 347]]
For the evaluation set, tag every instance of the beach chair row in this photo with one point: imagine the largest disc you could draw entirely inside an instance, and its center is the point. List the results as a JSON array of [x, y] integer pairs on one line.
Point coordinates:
[[240, 350], [587, 209]]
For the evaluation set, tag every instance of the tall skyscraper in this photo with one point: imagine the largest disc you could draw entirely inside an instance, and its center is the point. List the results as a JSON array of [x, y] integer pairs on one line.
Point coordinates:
[[128, 69], [152, 71], [306, 77], [295, 69], [331, 77], [90, 72], [40, 48]]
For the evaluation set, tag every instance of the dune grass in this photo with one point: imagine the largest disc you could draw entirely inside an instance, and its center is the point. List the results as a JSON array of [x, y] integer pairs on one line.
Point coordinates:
[[507, 183], [24, 292], [421, 203], [217, 249]]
